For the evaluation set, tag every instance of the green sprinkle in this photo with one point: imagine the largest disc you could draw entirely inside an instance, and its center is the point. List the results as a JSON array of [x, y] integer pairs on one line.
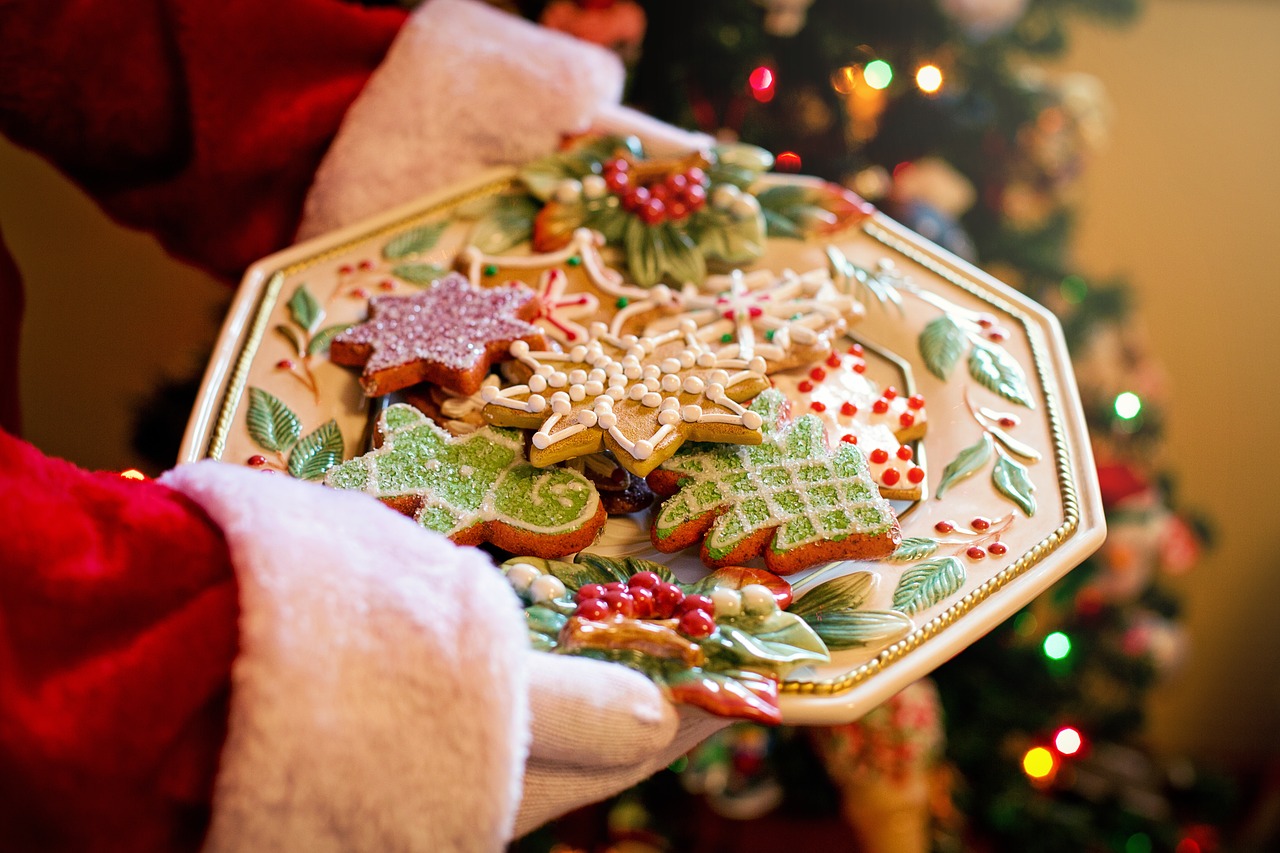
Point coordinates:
[[768, 335], [726, 338], [575, 261], [622, 302]]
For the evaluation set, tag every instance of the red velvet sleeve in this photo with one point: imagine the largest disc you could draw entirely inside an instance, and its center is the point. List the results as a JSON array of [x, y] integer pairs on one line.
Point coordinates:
[[202, 121], [118, 627]]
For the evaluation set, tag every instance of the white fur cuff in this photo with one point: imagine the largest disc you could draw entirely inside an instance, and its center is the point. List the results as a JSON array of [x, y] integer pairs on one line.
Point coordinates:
[[380, 699], [463, 88]]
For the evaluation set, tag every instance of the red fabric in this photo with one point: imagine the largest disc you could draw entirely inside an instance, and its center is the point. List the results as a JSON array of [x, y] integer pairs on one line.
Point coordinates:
[[118, 627], [202, 121]]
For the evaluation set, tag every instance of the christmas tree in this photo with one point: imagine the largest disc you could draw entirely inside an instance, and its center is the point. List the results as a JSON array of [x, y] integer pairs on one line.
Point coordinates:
[[941, 112]]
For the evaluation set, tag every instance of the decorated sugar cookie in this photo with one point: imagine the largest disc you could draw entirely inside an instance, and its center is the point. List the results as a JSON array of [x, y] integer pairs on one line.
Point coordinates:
[[788, 319], [639, 398], [449, 334], [791, 499], [574, 286], [476, 488], [882, 422]]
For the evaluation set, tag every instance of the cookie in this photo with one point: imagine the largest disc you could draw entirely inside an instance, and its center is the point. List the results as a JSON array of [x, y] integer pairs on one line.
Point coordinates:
[[788, 319], [449, 334], [575, 288], [882, 422], [621, 492], [791, 499], [474, 488], [639, 398], [457, 413]]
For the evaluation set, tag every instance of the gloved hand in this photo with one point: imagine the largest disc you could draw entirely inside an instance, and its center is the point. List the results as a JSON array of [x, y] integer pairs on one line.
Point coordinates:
[[385, 695]]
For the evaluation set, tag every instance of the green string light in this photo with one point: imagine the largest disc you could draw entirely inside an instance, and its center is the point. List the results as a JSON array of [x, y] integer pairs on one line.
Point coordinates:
[[1057, 646], [1128, 405], [878, 74]]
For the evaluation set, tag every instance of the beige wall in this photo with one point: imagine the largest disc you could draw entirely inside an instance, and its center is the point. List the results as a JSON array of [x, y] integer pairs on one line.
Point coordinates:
[[1184, 201]]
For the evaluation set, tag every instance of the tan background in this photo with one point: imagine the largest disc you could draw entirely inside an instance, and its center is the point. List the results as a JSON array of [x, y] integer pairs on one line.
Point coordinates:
[[1183, 202]]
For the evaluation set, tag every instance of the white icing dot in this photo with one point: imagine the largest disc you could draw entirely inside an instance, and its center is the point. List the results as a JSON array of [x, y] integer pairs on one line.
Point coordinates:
[[756, 364], [637, 391], [651, 400], [587, 418], [670, 403], [607, 420], [488, 393], [752, 420], [544, 370], [578, 353], [536, 403], [632, 371], [519, 349], [651, 383], [537, 384], [577, 393], [541, 440], [688, 326], [557, 379], [670, 365], [560, 403], [714, 392], [691, 413], [688, 358], [670, 383], [594, 387], [651, 371], [642, 449], [719, 377], [577, 376], [693, 385], [668, 416], [706, 359], [617, 392]]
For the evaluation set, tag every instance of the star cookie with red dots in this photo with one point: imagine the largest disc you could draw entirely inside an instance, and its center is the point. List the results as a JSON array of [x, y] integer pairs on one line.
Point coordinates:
[[449, 335]]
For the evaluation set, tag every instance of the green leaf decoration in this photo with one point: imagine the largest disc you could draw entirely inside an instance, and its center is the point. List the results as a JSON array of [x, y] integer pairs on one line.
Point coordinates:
[[414, 241], [680, 257], [736, 577], [475, 488], [622, 568], [967, 463], [925, 584], [723, 238], [316, 453], [738, 164], [913, 548], [544, 621], [543, 176], [795, 210], [941, 343], [995, 370], [1011, 480], [508, 224], [747, 696], [574, 575], [1014, 446], [843, 593], [778, 652], [859, 629], [305, 310], [642, 253], [791, 485], [861, 283], [321, 340], [291, 336], [419, 274], [272, 425]]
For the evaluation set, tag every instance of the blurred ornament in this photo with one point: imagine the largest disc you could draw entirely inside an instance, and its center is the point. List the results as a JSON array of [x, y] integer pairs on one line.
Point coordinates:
[[981, 19], [616, 24], [732, 772], [872, 183], [1161, 641], [784, 18], [933, 181]]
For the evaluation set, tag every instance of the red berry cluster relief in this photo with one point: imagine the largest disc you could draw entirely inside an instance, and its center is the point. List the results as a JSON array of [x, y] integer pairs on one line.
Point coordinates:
[[647, 596], [656, 200]]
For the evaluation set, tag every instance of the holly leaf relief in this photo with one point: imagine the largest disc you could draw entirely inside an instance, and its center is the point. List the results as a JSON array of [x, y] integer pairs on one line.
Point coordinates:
[[856, 629], [925, 584], [848, 592], [913, 548], [304, 309], [316, 453], [508, 223], [1012, 480], [941, 343], [321, 340], [414, 241], [272, 425], [968, 462], [419, 273], [995, 370]]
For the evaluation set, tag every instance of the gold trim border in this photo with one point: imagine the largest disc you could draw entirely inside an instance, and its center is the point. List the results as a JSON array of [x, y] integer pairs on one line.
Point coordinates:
[[1046, 546]]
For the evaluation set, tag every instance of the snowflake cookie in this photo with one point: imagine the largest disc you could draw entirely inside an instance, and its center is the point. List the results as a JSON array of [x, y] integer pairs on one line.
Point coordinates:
[[474, 488], [640, 398], [790, 499], [788, 319]]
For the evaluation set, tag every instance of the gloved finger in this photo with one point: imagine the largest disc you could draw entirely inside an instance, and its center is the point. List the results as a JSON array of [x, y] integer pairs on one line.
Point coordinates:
[[592, 713], [552, 788]]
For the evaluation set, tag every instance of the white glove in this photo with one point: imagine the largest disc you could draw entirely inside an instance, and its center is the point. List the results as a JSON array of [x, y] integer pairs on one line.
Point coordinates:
[[386, 697]]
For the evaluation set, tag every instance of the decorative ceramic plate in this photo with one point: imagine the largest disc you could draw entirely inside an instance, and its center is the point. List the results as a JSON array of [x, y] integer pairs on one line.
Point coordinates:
[[996, 501]]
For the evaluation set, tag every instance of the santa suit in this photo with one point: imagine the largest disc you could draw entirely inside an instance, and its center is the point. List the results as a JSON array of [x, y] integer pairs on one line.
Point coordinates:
[[239, 661]]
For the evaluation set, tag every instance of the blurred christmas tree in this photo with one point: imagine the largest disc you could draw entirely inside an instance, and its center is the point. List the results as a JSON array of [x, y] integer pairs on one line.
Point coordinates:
[[942, 113]]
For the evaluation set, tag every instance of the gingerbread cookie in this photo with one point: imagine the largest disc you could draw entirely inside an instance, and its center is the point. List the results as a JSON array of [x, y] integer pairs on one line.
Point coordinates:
[[788, 319], [449, 335], [639, 398], [574, 287], [880, 421], [476, 488], [791, 499]]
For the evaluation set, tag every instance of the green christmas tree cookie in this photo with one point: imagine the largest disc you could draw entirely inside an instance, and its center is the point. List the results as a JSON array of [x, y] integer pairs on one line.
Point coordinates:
[[790, 499], [474, 488]]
